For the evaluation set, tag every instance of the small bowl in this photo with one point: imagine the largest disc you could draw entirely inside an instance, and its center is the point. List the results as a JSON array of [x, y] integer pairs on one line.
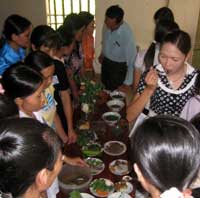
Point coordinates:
[[111, 118], [89, 150], [115, 105], [69, 174], [119, 95]]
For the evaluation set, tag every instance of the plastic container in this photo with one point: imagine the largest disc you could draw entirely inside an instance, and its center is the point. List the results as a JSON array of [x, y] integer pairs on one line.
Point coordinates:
[[69, 174]]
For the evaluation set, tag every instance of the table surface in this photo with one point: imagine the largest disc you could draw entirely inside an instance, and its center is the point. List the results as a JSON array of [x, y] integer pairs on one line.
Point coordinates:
[[105, 133]]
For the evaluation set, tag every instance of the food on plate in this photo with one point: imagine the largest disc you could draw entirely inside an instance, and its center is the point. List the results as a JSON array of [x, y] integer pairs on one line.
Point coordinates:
[[119, 195], [111, 117], [85, 126], [119, 167], [117, 95], [123, 186], [114, 148], [96, 165], [77, 194], [92, 149], [84, 137], [101, 187], [75, 180]]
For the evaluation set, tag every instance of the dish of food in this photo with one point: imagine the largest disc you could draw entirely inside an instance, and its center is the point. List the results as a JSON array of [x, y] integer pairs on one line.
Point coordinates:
[[119, 167], [115, 105], [92, 149], [119, 195], [101, 187], [118, 95], [111, 118], [114, 148], [86, 136], [123, 186], [77, 194], [96, 165]]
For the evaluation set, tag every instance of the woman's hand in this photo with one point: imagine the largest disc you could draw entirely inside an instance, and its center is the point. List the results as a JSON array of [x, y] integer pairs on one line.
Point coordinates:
[[76, 161], [151, 79], [72, 137]]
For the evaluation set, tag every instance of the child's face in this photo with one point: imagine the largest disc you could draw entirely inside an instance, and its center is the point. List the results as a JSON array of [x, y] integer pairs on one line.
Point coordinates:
[[35, 101], [67, 50], [48, 75], [50, 51]]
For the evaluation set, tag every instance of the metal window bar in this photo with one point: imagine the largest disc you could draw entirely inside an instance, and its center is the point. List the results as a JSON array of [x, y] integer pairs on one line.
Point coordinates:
[[53, 13]]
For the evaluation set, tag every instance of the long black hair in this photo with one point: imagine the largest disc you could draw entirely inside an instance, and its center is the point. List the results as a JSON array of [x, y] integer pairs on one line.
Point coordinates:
[[167, 151], [26, 147]]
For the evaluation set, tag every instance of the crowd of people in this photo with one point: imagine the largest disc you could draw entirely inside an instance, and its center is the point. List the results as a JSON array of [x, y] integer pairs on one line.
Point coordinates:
[[39, 67]]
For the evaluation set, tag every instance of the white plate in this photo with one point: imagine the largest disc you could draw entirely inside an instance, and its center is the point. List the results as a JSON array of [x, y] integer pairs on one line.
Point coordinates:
[[127, 190], [120, 167], [96, 171], [119, 195], [112, 153], [107, 182], [86, 195]]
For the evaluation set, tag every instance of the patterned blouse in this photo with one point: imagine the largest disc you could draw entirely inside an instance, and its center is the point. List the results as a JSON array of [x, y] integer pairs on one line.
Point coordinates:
[[166, 100]]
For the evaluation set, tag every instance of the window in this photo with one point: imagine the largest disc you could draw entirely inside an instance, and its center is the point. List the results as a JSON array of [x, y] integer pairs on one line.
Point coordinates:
[[58, 9]]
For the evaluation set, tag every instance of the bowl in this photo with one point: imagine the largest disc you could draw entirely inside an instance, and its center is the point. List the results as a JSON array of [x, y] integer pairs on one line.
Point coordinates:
[[111, 118], [74, 178], [92, 149], [115, 105], [118, 95]]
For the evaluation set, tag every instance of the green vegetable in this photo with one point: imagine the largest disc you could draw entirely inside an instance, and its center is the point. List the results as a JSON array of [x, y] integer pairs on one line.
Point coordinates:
[[75, 194], [100, 184]]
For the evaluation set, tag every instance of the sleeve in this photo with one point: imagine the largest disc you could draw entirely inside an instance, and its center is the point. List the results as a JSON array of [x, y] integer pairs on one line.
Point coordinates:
[[139, 60], [63, 83], [142, 84]]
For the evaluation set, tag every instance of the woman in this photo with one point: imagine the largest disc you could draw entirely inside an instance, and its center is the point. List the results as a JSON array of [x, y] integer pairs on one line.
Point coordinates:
[[16, 33], [165, 88], [31, 157], [166, 156]]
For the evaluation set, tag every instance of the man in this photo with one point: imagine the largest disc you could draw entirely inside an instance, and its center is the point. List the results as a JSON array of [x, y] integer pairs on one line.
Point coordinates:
[[118, 50]]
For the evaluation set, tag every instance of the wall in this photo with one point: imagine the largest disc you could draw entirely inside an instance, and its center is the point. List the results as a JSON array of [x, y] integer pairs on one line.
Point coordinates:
[[34, 10]]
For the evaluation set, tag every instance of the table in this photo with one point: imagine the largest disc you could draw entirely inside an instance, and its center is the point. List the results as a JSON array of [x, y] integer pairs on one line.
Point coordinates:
[[105, 133]]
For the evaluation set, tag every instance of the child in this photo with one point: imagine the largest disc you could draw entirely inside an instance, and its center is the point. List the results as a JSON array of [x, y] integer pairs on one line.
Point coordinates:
[[49, 42], [26, 86], [166, 156], [16, 33], [43, 63], [31, 158]]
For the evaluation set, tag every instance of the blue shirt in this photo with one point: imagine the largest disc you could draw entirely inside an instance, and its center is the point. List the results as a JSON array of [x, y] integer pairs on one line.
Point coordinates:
[[9, 56], [119, 45]]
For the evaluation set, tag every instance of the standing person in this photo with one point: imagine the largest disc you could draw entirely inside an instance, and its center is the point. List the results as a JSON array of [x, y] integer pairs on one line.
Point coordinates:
[[118, 50], [88, 40], [16, 32], [44, 38], [165, 88], [166, 156], [31, 158], [163, 13]]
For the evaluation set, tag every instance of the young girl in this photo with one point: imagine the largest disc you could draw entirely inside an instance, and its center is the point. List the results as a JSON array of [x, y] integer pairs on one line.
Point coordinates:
[[47, 40], [166, 156], [26, 86], [16, 33], [27, 170]]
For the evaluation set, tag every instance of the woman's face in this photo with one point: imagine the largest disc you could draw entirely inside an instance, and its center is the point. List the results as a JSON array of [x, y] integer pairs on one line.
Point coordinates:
[[90, 27], [48, 75], [35, 101], [23, 39], [79, 34], [67, 50], [171, 58]]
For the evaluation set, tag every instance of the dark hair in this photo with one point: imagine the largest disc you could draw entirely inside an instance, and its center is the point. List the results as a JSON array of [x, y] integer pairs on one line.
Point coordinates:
[[38, 60], [166, 149], [163, 13], [26, 147], [8, 108], [115, 12], [162, 29], [196, 121], [73, 23], [179, 38], [19, 80], [86, 17], [66, 38], [45, 35], [15, 24], [197, 83]]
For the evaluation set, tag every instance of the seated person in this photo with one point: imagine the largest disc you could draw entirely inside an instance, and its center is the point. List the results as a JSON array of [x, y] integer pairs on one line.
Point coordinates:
[[166, 156]]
